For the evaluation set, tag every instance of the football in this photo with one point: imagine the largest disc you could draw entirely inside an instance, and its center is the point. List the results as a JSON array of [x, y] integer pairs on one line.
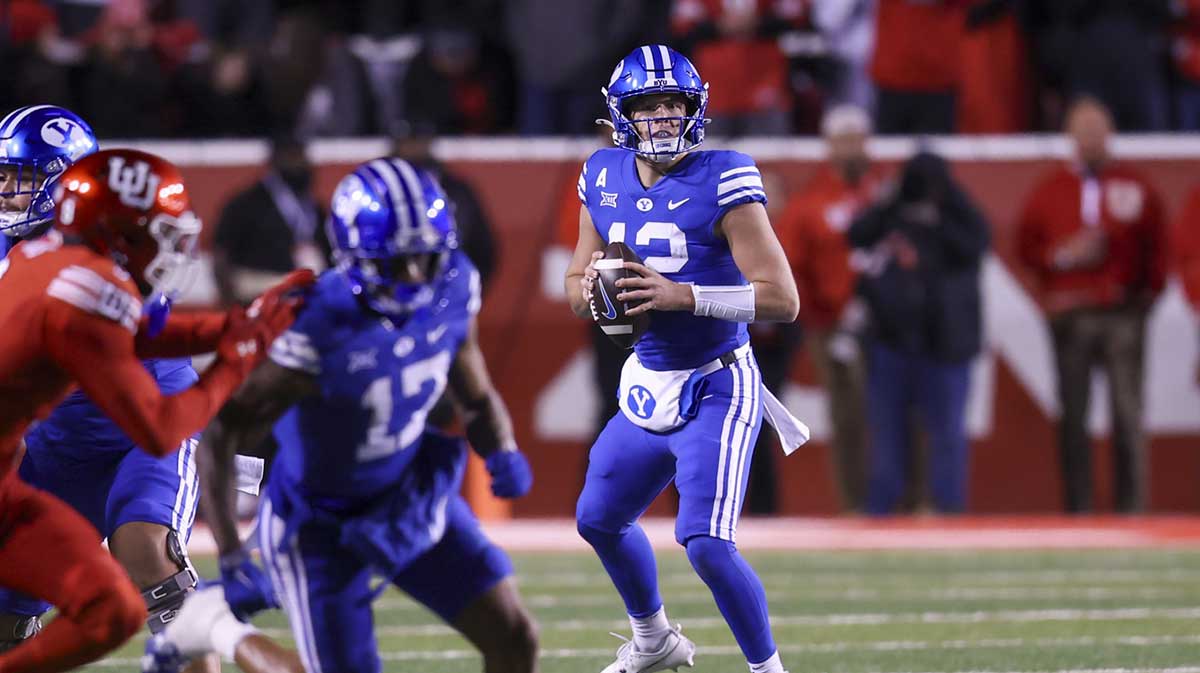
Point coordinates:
[[608, 312]]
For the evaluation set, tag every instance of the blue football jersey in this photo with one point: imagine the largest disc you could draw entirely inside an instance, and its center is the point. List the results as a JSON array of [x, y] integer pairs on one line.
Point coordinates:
[[378, 381], [79, 425], [670, 226]]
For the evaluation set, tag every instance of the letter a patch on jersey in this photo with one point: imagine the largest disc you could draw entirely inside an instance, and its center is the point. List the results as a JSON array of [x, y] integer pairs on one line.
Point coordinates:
[[602, 179]]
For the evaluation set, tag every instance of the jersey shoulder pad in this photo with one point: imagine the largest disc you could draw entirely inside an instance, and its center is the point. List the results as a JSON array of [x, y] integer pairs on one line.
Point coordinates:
[[601, 172], [737, 179], [462, 286], [96, 285], [300, 347]]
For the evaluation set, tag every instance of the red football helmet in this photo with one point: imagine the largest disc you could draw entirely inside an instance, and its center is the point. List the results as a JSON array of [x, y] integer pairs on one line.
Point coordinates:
[[133, 207]]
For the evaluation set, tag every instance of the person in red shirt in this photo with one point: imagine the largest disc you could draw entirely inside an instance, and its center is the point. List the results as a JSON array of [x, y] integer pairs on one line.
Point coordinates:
[[72, 305], [1185, 243], [816, 221], [1093, 236], [916, 65]]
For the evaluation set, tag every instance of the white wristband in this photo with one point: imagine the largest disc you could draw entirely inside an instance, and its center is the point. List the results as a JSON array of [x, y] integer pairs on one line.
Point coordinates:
[[734, 303]]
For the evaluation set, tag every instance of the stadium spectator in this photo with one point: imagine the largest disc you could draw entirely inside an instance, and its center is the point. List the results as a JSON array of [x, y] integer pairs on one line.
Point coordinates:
[[560, 50], [1185, 52], [1113, 51], [813, 231], [270, 228], [1093, 235], [916, 64], [995, 87], [733, 42], [921, 286], [848, 29], [454, 85], [125, 85]]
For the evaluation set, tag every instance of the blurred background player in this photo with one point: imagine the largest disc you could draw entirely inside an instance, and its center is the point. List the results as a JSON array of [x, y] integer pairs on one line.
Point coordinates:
[[383, 335], [815, 226], [697, 218], [143, 505], [1093, 233], [77, 313]]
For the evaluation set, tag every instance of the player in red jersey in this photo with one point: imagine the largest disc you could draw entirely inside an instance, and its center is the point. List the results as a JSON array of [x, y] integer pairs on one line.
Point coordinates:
[[71, 307]]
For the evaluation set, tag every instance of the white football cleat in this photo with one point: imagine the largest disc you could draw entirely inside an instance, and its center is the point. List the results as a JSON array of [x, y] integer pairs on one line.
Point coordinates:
[[191, 630], [675, 651]]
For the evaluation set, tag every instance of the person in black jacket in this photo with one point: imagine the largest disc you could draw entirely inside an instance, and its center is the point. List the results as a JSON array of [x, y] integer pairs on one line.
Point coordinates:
[[924, 243]]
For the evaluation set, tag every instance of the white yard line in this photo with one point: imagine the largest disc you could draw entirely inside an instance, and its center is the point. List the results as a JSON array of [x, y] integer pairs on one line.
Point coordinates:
[[845, 619], [836, 647], [609, 597]]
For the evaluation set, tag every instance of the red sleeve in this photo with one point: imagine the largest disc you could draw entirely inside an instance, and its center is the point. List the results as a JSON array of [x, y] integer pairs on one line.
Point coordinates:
[[1186, 244], [1155, 241], [99, 354], [189, 333], [1032, 247]]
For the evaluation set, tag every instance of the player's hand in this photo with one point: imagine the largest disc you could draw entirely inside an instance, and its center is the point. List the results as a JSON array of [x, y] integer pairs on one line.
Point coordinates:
[[511, 474], [247, 588], [654, 291], [588, 281], [249, 333]]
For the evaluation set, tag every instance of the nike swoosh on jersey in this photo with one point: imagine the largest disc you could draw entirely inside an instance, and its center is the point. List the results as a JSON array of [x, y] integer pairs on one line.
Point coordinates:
[[672, 205], [610, 312]]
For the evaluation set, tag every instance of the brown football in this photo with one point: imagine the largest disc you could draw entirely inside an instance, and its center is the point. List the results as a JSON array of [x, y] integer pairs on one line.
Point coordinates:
[[608, 312]]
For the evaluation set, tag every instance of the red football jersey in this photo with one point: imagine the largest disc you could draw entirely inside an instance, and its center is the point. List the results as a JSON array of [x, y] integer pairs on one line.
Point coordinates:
[[71, 317]]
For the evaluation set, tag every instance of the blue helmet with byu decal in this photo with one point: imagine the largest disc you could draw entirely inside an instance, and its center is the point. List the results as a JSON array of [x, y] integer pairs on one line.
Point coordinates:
[[392, 231], [39, 142], [656, 69]]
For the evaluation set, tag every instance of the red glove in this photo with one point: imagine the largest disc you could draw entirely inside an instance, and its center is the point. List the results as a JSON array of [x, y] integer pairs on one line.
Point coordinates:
[[249, 333]]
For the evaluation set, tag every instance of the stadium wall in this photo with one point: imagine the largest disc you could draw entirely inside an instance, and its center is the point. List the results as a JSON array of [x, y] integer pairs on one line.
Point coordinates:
[[537, 351]]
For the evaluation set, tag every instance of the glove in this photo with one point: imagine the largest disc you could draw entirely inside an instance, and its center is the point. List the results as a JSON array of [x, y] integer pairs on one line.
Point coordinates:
[[247, 588], [511, 474], [156, 309], [249, 333]]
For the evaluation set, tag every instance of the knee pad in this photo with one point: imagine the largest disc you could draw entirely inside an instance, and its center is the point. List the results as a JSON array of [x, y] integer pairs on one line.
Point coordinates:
[[22, 628], [164, 599]]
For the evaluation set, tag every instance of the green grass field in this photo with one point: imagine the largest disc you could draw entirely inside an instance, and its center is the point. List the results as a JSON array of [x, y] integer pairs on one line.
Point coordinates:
[[852, 611]]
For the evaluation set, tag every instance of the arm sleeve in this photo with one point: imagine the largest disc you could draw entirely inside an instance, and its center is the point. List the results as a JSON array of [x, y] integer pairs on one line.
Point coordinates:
[[738, 182], [98, 353]]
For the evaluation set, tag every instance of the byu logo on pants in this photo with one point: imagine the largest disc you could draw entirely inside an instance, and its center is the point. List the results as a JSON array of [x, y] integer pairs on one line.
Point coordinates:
[[641, 402]]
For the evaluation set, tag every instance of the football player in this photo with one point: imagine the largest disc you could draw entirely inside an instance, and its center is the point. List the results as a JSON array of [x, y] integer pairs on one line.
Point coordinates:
[[143, 505], [71, 305], [691, 396], [361, 485]]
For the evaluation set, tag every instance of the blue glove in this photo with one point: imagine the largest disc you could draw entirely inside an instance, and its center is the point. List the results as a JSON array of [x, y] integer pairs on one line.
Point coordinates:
[[511, 474], [247, 588], [162, 656], [156, 309]]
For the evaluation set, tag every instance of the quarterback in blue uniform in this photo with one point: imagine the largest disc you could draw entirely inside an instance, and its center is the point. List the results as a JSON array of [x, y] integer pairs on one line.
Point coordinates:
[[362, 486], [691, 397], [142, 504]]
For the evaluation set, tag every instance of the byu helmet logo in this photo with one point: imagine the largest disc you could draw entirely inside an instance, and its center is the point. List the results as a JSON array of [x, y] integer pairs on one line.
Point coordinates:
[[65, 134], [641, 402], [135, 185]]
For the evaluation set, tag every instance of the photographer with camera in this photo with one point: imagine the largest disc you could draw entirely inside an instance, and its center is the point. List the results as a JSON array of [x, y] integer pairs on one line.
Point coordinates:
[[924, 242]]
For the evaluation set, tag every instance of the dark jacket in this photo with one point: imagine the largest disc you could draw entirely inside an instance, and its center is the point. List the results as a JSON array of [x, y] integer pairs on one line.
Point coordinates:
[[927, 303]]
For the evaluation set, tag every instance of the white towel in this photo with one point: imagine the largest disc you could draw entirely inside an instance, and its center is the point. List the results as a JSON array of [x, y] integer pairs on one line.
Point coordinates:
[[249, 473], [791, 430]]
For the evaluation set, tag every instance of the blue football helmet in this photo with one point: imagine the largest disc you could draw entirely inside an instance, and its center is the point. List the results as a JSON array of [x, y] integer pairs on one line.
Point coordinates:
[[40, 142], [655, 69], [392, 231]]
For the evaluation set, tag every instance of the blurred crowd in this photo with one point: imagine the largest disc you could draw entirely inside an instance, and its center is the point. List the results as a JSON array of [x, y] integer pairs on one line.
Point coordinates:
[[202, 68]]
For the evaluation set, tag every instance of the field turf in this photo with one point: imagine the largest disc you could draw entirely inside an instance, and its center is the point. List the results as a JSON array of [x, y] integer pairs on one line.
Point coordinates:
[[851, 611]]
